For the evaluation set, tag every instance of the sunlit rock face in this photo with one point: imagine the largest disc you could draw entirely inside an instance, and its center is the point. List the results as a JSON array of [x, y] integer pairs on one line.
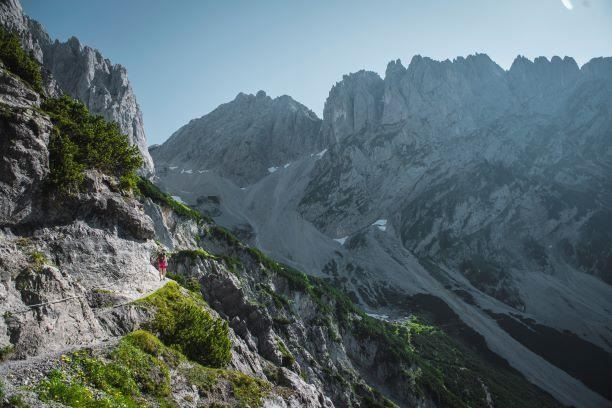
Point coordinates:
[[104, 87], [465, 152], [83, 73]]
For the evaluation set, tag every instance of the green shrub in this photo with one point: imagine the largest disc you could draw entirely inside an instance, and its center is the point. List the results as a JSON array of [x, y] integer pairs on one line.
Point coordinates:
[[38, 260], [233, 264], [247, 391], [57, 387], [112, 378], [193, 254], [182, 322], [73, 392], [66, 172], [288, 358], [219, 232], [279, 300], [191, 283], [137, 366], [6, 351], [150, 373], [147, 342], [18, 61], [82, 141]]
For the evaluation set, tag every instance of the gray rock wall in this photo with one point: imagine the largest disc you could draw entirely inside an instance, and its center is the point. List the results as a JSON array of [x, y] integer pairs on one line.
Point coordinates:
[[83, 73]]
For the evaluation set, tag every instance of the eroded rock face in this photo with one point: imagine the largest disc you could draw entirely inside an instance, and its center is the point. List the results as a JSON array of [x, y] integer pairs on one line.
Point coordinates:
[[24, 136], [353, 103], [63, 319], [304, 356], [83, 73], [243, 140], [55, 249], [467, 152], [102, 86]]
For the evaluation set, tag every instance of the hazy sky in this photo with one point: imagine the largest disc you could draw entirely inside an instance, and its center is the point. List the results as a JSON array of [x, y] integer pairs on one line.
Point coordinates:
[[184, 58]]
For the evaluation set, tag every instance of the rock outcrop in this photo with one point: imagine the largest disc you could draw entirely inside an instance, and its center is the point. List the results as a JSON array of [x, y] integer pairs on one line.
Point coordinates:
[[354, 102], [83, 73], [25, 160], [243, 140]]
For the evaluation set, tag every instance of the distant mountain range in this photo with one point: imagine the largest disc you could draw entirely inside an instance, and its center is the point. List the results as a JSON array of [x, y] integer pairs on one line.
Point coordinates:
[[488, 189]]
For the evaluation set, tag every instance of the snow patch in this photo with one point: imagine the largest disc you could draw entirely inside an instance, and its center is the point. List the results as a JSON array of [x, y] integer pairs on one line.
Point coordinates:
[[272, 169], [173, 167], [287, 165], [203, 171], [186, 171], [320, 154], [381, 224], [341, 241]]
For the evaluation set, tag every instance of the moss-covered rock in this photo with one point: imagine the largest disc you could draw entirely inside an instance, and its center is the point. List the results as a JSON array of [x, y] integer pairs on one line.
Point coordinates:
[[183, 322]]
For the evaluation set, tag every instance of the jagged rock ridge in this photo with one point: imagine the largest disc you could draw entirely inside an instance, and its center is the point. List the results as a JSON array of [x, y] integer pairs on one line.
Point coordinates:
[[243, 140], [83, 73]]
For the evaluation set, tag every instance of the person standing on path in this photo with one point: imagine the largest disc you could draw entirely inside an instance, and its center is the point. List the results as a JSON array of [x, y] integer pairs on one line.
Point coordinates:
[[162, 264]]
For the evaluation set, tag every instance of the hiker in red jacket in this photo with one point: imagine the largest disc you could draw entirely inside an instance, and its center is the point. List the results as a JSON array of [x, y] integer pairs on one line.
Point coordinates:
[[162, 264]]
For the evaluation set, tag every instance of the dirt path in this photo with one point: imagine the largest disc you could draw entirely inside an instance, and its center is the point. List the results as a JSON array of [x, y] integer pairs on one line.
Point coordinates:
[[31, 370]]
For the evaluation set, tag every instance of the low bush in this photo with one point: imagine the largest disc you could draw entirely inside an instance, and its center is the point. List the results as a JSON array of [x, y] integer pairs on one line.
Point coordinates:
[[6, 351], [247, 391], [221, 233], [288, 358], [137, 366], [19, 62], [150, 373], [182, 322], [190, 283], [193, 254], [81, 141], [74, 392]]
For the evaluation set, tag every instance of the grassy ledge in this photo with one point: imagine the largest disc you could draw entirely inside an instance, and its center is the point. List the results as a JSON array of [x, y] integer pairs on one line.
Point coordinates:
[[147, 189], [136, 373], [182, 322]]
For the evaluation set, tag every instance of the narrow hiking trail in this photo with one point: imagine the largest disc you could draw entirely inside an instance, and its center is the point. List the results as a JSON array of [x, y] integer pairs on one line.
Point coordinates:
[[32, 369]]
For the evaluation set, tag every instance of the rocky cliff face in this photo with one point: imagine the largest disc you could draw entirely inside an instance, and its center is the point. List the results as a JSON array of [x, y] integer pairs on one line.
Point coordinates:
[[470, 145], [83, 73], [71, 270], [243, 140], [354, 103], [483, 187], [86, 75]]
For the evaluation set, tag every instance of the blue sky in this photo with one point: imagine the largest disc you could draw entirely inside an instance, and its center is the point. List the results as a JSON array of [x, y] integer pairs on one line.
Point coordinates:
[[184, 58]]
